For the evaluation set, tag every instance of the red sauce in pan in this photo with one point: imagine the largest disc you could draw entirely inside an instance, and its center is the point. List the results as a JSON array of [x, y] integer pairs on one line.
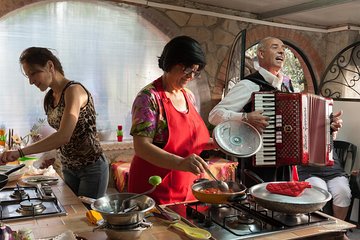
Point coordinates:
[[214, 191]]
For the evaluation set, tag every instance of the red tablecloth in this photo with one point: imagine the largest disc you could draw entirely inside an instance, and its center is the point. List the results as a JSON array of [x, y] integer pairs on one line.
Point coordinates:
[[222, 169]]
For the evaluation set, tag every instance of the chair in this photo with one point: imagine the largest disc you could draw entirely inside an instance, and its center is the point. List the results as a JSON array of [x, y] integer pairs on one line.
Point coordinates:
[[343, 149]]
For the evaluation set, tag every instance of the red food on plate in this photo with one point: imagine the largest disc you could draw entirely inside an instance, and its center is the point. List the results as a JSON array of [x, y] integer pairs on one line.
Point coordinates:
[[293, 188]]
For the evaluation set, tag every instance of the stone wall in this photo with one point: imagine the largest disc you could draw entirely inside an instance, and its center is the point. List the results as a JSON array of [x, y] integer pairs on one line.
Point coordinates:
[[216, 36]]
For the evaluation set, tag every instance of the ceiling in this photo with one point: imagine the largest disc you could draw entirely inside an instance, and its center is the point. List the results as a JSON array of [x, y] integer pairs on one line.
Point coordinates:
[[324, 15]]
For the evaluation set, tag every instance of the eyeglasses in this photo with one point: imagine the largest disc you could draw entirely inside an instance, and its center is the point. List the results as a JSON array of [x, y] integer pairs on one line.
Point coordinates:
[[189, 70]]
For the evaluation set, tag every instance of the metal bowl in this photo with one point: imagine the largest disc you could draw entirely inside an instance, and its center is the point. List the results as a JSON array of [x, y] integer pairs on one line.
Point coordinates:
[[109, 206]]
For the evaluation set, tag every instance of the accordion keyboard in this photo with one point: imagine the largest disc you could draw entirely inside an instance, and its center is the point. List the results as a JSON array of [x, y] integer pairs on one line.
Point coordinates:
[[267, 154]]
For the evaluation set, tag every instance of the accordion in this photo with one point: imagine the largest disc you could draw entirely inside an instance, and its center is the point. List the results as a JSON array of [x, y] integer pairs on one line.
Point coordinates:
[[298, 132]]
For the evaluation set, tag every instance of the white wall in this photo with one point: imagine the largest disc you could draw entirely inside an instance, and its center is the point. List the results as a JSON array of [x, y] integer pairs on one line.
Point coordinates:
[[350, 132]]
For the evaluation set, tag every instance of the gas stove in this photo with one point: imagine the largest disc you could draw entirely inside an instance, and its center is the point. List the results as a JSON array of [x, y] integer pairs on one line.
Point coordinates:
[[243, 220], [20, 202]]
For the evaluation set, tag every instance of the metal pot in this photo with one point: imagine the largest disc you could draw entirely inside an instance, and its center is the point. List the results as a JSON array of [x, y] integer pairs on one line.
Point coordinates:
[[238, 192], [313, 199], [109, 206]]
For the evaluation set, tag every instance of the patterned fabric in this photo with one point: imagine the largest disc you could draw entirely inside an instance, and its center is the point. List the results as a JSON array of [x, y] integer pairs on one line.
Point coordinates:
[[121, 172], [148, 115], [83, 148], [221, 168]]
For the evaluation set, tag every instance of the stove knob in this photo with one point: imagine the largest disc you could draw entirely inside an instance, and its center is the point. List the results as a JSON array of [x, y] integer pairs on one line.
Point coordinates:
[[189, 211], [208, 221]]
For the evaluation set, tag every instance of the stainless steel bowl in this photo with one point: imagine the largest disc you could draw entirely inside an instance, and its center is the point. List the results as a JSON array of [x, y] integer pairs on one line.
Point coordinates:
[[109, 206]]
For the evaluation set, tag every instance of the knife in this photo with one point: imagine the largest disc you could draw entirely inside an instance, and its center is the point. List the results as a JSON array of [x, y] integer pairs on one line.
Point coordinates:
[[165, 215], [42, 180]]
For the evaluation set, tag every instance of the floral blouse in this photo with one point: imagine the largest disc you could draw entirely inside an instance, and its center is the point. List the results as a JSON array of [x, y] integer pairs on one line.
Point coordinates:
[[148, 115]]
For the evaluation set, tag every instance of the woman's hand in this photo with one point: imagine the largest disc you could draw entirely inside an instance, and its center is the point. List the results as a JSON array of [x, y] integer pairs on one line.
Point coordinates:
[[257, 120], [193, 163], [9, 156]]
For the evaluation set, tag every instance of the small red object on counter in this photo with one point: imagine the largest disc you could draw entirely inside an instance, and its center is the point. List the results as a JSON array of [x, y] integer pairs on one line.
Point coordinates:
[[119, 133], [293, 188]]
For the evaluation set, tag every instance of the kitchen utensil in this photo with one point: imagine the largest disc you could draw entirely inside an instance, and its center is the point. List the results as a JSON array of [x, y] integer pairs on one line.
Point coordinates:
[[221, 184], [153, 180], [5, 176], [312, 199], [168, 217], [28, 161], [236, 192], [108, 207], [14, 175], [34, 180], [192, 232], [236, 138]]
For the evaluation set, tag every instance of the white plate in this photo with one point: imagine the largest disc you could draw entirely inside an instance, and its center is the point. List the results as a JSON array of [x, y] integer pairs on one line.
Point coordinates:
[[34, 180]]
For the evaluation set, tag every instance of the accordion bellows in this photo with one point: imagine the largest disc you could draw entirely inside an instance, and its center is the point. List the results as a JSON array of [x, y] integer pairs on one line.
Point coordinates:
[[299, 130]]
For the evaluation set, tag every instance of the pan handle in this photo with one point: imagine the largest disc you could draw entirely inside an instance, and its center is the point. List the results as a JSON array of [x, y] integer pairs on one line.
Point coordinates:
[[253, 176], [8, 172]]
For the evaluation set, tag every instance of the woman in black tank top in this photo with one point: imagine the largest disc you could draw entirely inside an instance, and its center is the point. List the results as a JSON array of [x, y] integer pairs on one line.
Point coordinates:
[[70, 110]]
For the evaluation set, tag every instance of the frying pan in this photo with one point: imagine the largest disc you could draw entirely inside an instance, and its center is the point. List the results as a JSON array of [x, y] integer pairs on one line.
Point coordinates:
[[238, 192], [312, 199], [5, 176]]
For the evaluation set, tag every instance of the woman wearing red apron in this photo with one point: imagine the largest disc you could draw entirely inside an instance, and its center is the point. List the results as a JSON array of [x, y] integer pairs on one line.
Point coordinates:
[[169, 134]]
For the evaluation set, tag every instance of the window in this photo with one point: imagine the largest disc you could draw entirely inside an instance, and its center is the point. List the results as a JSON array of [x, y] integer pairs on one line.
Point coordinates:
[[108, 48], [292, 68]]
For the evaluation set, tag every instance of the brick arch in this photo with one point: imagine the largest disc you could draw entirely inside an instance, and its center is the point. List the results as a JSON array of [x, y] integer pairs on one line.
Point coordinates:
[[304, 44], [157, 18]]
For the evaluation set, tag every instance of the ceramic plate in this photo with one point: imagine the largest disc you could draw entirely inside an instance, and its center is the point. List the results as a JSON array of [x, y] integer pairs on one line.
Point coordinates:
[[34, 180]]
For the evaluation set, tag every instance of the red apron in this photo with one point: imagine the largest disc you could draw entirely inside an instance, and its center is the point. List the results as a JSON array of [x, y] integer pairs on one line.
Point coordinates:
[[187, 134]]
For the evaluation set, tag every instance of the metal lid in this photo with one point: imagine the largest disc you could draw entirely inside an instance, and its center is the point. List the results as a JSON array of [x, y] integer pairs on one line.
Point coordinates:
[[236, 138]]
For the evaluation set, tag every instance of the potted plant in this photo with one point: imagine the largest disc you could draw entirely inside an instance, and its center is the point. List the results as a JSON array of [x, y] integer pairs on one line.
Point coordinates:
[[119, 133]]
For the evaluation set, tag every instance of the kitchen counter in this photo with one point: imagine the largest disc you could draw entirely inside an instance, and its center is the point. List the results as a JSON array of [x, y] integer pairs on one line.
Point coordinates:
[[76, 221]]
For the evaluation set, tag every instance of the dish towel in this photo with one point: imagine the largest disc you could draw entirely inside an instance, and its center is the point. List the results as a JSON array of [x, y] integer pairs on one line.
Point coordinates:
[[293, 188]]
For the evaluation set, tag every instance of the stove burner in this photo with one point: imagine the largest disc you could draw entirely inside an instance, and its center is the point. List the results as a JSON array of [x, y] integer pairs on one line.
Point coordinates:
[[293, 219], [19, 193], [242, 220], [31, 207], [245, 219]]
